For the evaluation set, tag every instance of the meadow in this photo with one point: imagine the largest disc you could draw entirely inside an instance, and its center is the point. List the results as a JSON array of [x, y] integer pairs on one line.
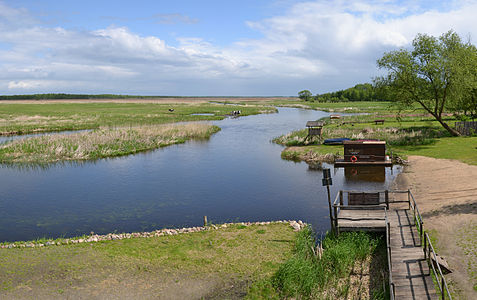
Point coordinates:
[[24, 118]]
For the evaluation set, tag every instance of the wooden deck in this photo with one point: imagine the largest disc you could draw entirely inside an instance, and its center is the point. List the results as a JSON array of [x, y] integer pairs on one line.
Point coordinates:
[[362, 220], [343, 163], [409, 271]]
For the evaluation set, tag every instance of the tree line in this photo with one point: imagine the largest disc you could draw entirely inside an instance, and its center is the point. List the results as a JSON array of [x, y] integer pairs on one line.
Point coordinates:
[[72, 96], [438, 73], [360, 92]]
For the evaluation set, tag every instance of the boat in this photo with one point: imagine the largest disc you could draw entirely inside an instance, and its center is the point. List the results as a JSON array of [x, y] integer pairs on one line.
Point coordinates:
[[337, 141]]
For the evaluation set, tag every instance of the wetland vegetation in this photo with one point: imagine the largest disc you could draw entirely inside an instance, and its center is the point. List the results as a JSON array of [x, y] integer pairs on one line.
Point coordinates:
[[101, 143], [349, 266]]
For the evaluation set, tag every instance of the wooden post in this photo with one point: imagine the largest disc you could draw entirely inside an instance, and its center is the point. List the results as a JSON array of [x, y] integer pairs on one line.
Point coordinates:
[[205, 221], [341, 197], [329, 205], [386, 198], [409, 198], [336, 220], [442, 287]]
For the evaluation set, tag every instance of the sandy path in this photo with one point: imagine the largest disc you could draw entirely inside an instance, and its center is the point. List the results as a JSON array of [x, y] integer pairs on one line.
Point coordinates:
[[446, 193]]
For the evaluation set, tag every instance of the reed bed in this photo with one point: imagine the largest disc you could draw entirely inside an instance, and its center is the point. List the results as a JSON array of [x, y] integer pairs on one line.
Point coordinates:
[[101, 143], [392, 135]]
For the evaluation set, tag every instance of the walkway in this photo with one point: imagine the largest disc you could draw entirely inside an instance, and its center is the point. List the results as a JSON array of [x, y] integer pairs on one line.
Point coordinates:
[[409, 271]]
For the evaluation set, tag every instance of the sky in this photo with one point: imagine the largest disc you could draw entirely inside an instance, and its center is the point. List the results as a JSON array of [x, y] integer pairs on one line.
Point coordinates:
[[209, 47]]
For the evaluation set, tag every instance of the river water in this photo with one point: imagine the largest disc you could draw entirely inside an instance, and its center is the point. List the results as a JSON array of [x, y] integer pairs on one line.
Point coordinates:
[[235, 176]]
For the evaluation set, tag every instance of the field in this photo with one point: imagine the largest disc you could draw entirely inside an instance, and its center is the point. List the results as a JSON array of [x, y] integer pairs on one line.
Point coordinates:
[[22, 117]]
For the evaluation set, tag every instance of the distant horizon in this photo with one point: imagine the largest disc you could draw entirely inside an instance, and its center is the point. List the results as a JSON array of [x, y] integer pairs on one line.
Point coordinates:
[[149, 96], [211, 47]]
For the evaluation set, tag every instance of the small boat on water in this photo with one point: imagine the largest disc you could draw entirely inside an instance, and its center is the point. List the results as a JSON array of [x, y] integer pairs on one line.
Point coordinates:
[[337, 141]]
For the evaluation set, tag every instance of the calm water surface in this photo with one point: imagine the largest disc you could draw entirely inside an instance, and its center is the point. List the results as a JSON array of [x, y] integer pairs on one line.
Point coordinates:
[[237, 175]]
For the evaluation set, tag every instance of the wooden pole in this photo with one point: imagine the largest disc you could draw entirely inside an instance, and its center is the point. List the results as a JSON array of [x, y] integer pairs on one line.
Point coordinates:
[[329, 205], [205, 221]]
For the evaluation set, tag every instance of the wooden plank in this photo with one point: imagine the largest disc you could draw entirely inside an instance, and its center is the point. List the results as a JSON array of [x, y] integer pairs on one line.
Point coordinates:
[[410, 271]]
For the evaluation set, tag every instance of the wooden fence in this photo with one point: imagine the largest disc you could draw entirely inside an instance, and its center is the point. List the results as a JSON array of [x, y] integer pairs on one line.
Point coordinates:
[[466, 128]]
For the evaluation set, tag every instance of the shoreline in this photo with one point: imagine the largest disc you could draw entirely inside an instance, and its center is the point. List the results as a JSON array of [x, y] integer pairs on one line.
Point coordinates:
[[296, 225]]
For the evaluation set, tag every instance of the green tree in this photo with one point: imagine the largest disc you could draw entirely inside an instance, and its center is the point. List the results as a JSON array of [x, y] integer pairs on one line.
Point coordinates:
[[432, 74], [305, 95]]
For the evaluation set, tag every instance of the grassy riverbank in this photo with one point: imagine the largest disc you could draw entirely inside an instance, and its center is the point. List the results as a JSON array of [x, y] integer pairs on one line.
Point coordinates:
[[23, 118], [101, 143], [217, 263], [352, 266], [258, 261], [410, 134]]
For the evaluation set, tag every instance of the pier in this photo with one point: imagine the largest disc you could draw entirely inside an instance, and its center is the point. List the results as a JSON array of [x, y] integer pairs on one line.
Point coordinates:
[[411, 256]]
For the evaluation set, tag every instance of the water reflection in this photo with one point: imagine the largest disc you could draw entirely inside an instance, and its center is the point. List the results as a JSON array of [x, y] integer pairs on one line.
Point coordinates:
[[365, 173]]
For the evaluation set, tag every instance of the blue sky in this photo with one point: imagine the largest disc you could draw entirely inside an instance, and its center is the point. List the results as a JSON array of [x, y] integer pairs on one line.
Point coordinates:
[[239, 48]]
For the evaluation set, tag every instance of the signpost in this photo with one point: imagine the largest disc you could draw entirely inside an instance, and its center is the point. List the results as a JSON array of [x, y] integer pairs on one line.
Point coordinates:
[[327, 181]]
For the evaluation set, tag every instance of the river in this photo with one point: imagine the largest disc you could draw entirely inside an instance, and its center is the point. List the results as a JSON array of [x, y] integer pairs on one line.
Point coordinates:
[[235, 176]]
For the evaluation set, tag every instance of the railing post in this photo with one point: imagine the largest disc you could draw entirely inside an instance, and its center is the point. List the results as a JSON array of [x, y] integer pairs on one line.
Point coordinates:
[[341, 197], [425, 247], [421, 227], [409, 197], [386, 198], [336, 219], [442, 287]]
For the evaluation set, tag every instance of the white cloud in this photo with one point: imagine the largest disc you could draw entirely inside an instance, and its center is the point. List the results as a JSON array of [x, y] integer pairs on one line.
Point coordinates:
[[320, 45]]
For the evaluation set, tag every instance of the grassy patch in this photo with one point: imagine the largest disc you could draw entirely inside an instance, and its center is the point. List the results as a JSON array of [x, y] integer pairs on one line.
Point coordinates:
[[21, 118], [154, 265], [467, 240], [458, 148], [101, 143], [350, 268]]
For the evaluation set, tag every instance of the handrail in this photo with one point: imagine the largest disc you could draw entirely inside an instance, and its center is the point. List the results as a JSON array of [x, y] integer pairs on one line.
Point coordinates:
[[418, 217], [388, 248], [428, 248], [442, 284]]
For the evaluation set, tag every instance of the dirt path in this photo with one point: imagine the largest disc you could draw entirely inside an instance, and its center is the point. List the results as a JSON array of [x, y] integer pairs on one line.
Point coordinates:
[[446, 193]]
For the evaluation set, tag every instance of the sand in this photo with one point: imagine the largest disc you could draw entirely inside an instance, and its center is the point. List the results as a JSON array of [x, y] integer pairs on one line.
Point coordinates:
[[446, 194]]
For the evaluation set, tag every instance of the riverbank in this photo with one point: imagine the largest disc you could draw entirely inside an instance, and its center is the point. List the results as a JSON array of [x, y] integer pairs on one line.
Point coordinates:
[[446, 193], [101, 143], [216, 262]]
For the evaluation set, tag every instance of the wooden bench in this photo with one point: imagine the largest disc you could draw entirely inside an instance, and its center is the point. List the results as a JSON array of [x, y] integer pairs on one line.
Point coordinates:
[[381, 121], [363, 199]]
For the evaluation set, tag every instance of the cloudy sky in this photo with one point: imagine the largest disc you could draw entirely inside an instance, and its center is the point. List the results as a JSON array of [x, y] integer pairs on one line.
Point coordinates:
[[210, 47]]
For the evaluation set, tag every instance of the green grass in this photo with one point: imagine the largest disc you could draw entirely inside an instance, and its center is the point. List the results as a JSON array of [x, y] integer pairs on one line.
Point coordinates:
[[337, 274], [241, 255], [20, 118], [410, 135], [463, 149], [101, 143]]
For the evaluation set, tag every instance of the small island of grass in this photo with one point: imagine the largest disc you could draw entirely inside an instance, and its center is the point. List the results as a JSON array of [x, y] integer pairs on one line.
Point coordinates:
[[101, 143]]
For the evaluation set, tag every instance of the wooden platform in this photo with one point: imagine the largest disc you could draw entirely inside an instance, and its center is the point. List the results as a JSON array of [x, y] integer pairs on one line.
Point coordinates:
[[342, 163], [362, 220], [410, 272]]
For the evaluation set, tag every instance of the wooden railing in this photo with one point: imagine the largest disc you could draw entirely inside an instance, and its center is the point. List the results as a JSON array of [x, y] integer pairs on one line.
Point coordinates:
[[388, 248], [439, 276], [427, 246]]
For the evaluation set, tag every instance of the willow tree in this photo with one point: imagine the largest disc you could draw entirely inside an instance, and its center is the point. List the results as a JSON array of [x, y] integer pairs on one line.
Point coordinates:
[[432, 74]]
